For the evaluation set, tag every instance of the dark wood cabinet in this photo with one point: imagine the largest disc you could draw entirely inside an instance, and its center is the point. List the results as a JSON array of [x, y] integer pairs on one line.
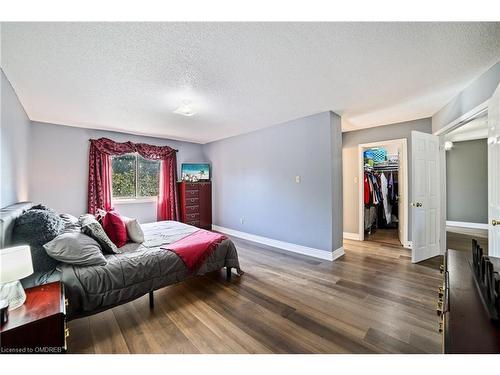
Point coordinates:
[[196, 203], [467, 326], [39, 325]]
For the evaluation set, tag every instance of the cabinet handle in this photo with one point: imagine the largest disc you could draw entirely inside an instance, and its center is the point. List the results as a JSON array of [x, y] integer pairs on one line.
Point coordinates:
[[439, 308], [66, 302], [66, 332]]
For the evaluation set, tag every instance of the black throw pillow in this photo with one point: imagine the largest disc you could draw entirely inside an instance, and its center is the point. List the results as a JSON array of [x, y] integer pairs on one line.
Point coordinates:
[[36, 227]]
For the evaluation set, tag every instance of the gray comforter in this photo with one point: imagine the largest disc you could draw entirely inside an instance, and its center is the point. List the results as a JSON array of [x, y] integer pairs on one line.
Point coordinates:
[[139, 269]]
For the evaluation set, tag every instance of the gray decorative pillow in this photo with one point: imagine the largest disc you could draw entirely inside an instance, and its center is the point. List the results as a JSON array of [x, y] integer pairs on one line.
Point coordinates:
[[76, 248], [36, 227], [71, 224], [91, 227]]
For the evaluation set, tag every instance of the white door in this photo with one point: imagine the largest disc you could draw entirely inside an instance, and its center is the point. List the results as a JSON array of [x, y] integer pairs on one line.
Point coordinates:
[[424, 196], [494, 174]]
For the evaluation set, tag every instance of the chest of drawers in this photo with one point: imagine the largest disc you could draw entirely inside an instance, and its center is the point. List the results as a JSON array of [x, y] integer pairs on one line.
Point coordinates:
[[196, 203], [467, 327]]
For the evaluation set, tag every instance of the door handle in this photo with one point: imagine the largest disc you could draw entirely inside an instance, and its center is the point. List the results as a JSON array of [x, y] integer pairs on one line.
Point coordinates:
[[418, 204], [495, 222]]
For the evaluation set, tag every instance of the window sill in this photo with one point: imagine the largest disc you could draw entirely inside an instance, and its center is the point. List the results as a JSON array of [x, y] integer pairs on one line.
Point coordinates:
[[134, 200]]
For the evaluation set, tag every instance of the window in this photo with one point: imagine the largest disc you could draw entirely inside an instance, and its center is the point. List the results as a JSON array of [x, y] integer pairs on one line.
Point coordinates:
[[134, 177]]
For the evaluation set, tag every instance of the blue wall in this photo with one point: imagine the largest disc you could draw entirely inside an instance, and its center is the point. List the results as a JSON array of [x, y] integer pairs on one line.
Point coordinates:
[[254, 180], [14, 137]]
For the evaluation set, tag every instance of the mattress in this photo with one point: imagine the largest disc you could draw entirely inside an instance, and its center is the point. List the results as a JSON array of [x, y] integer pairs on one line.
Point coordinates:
[[139, 269]]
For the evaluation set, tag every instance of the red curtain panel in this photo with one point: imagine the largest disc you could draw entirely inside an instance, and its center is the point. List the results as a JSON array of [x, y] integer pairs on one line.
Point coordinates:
[[99, 189]]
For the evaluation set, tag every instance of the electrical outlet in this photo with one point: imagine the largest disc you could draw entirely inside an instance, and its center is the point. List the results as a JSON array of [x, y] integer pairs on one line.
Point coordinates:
[[297, 179]]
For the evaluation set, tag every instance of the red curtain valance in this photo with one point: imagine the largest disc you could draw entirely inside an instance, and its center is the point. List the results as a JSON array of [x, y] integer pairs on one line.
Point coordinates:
[[99, 189], [110, 147]]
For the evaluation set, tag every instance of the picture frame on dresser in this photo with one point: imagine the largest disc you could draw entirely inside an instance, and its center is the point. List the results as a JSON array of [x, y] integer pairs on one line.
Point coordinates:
[[194, 172]]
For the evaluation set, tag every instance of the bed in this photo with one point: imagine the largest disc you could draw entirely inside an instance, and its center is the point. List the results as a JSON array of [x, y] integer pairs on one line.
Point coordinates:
[[138, 270]]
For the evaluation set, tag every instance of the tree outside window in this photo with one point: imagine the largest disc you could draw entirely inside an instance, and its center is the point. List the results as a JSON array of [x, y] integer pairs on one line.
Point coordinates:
[[134, 177]]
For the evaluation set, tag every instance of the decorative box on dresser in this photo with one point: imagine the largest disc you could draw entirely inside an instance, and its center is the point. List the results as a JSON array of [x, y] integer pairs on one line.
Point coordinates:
[[196, 203], [39, 325]]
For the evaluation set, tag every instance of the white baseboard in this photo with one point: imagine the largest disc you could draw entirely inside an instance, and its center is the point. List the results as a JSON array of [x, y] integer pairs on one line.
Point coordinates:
[[304, 250], [464, 224], [351, 236], [338, 253]]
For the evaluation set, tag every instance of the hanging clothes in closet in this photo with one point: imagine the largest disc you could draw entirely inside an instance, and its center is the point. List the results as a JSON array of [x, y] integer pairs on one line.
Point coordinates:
[[380, 189]]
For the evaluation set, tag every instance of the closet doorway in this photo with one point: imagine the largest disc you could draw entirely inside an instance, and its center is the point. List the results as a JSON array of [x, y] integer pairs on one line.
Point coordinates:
[[383, 192]]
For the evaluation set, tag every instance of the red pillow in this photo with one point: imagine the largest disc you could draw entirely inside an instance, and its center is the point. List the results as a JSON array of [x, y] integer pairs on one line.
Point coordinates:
[[115, 228]]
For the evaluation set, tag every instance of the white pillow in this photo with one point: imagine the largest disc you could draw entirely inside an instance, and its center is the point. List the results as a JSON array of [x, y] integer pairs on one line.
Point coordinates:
[[134, 230]]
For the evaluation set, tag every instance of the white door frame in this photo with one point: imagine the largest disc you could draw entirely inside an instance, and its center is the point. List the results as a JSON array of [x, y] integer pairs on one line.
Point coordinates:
[[464, 119], [477, 111], [493, 174], [403, 143]]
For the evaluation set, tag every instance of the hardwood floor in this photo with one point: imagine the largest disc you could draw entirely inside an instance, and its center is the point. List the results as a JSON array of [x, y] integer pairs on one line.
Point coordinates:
[[372, 300], [385, 236], [461, 238]]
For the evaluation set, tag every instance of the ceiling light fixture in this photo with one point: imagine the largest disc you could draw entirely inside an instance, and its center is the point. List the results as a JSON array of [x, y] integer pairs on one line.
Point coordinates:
[[185, 109]]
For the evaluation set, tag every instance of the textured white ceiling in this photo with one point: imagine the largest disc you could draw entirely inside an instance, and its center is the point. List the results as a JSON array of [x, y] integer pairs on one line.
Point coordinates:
[[240, 76]]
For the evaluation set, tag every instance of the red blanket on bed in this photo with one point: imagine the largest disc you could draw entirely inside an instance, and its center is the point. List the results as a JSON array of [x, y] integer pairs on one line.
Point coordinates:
[[196, 248]]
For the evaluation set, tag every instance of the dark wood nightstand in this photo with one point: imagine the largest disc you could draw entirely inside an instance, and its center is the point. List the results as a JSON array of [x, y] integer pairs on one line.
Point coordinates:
[[38, 326]]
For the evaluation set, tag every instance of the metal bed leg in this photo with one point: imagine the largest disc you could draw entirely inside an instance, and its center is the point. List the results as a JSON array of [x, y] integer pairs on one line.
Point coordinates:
[[151, 301], [228, 273]]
